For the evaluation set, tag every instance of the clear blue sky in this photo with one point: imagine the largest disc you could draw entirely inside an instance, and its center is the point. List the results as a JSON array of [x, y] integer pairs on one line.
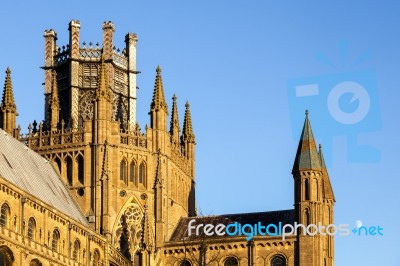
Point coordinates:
[[238, 64]]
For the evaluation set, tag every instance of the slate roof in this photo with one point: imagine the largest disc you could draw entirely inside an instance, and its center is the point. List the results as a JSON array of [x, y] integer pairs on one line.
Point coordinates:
[[32, 173], [271, 217]]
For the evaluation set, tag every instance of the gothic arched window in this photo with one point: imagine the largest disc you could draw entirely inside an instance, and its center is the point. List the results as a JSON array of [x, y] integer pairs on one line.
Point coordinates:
[[69, 170], [122, 170], [128, 235], [231, 261], [142, 174], [77, 251], [278, 261], [96, 257], [132, 176], [5, 215], [6, 256], [185, 263], [81, 173], [54, 240], [35, 262], [58, 163], [31, 228]]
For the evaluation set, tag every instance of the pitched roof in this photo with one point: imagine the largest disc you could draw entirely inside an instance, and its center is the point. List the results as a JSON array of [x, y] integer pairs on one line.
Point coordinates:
[[32, 173], [271, 217]]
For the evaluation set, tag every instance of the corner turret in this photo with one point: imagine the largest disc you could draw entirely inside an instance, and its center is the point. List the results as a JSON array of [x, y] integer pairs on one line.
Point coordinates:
[[158, 115], [313, 200]]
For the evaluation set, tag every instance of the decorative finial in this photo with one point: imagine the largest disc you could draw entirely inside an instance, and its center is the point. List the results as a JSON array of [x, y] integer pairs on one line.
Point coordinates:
[[306, 112], [174, 98], [158, 69], [8, 71], [187, 105], [320, 146]]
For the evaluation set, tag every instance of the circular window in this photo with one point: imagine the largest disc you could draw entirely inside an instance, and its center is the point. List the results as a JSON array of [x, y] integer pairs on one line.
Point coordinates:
[[81, 191], [122, 193]]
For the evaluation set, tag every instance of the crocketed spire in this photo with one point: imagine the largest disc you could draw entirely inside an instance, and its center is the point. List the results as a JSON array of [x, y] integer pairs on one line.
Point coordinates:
[[187, 124], [158, 102], [174, 126], [8, 102]]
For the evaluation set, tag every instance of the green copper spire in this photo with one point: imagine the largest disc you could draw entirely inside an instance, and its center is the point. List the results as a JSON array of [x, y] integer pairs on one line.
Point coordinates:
[[307, 157]]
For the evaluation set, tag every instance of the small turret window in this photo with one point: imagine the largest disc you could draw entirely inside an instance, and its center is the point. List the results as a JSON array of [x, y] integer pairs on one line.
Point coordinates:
[[307, 189]]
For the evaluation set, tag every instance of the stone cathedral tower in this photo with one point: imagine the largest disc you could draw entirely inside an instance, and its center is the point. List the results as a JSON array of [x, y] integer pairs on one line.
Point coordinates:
[[125, 180], [78, 71], [110, 193]]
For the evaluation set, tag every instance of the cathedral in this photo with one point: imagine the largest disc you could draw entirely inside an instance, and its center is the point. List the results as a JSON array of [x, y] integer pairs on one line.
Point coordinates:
[[88, 186]]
